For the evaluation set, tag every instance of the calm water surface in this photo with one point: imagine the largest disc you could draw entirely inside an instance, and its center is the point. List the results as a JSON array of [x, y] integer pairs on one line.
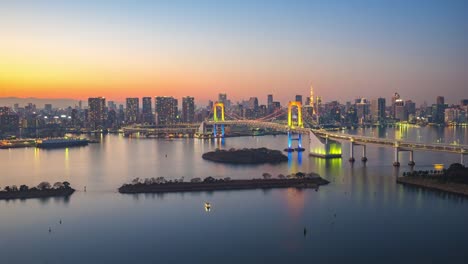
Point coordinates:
[[363, 215]]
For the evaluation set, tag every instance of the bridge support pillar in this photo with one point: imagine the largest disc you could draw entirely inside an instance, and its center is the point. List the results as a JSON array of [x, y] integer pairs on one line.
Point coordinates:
[[351, 152], [396, 163], [462, 159], [411, 159], [364, 156]]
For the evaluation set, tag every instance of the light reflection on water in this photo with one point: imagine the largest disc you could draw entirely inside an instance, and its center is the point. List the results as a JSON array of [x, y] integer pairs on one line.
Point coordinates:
[[375, 217]]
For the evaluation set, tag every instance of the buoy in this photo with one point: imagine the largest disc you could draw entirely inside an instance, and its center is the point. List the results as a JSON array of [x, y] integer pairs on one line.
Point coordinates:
[[50, 230]]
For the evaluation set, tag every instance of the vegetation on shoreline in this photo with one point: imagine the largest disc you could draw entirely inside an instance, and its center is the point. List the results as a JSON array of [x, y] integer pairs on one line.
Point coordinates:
[[456, 173], [246, 156], [160, 184], [43, 189], [451, 180]]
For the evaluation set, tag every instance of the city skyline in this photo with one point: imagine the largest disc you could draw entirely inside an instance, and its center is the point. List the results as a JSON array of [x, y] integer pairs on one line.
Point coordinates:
[[123, 49]]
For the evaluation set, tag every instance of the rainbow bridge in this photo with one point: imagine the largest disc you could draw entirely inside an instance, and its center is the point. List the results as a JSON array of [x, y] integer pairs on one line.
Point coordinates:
[[322, 143]]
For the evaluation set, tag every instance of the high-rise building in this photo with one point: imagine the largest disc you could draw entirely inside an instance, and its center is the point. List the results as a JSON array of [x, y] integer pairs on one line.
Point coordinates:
[[166, 110], [395, 97], [400, 110], [299, 98], [96, 112], [188, 109], [132, 110], [111, 105], [253, 104], [440, 100], [147, 111], [270, 103], [438, 111], [362, 109], [378, 110], [410, 107], [48, 108], [222, 98]]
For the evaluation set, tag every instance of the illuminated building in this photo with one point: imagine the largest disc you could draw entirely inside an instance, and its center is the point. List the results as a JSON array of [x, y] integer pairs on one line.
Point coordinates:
[[9, 121], [96, 112], [395, 97], [166, 110], [188, 109], [378, 110], [438, 111], [362, 109], [147, 111], [132, 110], [400, 110]]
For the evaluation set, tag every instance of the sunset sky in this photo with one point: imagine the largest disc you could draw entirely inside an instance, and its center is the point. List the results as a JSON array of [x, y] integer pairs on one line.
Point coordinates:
[[118, 49]]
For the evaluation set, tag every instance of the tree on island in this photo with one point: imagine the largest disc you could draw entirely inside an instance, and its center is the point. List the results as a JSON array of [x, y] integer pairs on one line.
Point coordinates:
[[43, 186], [266, 176], [58, 185], [23, 188]]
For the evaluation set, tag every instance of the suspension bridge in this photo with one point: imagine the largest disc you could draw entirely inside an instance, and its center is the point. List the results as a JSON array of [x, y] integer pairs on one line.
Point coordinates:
[[322, 143]]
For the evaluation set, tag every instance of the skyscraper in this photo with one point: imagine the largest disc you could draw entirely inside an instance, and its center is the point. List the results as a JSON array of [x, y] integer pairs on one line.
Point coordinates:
[[395, 97], [166, 110], [270, 103], [96, 112], [188, 109], [222, 98], [299, 98], [147, 111], [132, 110], [440, 100], [378, 110], [438, 113]]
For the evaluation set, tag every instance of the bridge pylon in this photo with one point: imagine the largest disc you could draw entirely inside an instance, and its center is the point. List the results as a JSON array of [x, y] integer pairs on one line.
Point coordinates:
[[217, 133], [292, 136]]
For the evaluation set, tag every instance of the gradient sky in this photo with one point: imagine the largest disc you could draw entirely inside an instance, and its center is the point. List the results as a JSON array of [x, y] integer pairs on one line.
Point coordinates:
[[117, 49]]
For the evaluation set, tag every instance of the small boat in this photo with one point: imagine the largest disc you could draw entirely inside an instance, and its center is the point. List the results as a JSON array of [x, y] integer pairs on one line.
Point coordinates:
[[207, 206]]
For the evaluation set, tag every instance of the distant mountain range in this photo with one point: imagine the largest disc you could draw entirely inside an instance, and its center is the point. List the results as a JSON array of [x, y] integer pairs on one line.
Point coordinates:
[[40, 102]]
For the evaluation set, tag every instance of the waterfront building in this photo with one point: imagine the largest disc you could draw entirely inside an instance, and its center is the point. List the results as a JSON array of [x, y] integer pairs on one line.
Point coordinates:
[[147, 111], [378, 110], [96, 113], [188, 109], [132, 110], [166, 110]]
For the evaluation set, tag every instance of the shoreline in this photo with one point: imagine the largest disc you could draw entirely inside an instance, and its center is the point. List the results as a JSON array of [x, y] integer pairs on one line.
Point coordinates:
[[34, 194], [430, 184], [222, 185]]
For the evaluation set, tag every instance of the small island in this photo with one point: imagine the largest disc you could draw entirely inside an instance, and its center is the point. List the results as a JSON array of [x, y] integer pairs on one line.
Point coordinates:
[[43, 190], [452, 180], [161, 185], [246, 156]]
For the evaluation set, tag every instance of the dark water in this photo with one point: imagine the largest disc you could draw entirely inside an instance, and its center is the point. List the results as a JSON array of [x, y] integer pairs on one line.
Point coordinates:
[[362, 216]]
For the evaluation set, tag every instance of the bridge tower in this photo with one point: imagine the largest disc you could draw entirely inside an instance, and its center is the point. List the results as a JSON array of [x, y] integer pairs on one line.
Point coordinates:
[[216, 119], [292, 136]]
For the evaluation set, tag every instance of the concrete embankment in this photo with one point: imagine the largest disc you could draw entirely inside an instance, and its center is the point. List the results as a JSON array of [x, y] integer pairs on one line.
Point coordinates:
[[431, 184]]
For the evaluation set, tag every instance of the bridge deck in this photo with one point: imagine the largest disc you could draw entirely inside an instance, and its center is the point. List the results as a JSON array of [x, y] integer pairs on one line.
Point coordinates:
[[410, 145], [320, 133]]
